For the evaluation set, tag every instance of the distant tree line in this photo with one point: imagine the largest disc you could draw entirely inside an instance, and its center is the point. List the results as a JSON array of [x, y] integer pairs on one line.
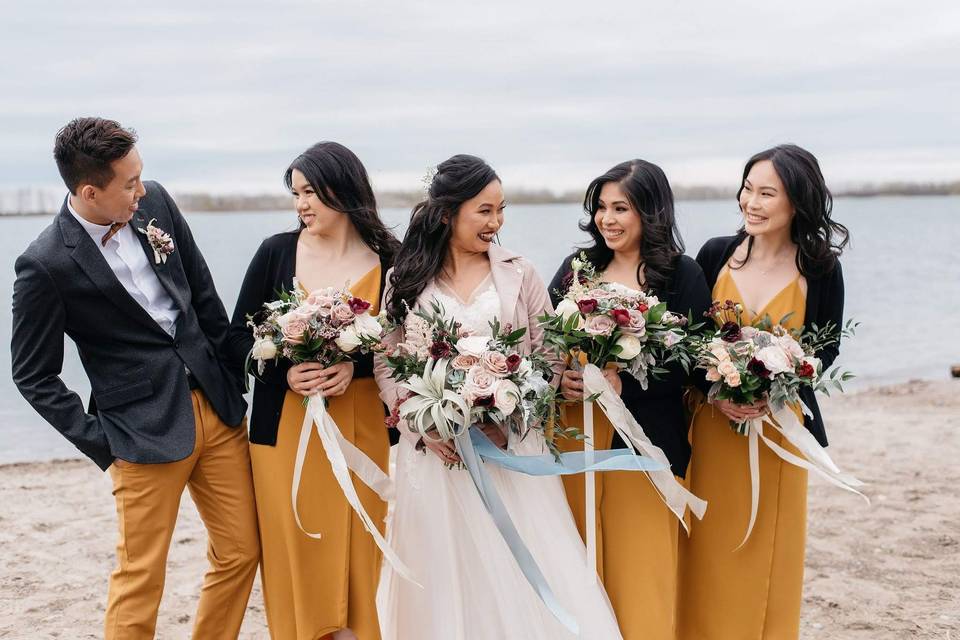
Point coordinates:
[[30, 201]]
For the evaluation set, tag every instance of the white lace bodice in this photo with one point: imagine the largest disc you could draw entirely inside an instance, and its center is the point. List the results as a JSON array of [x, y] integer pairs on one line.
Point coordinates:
[[475, 315]]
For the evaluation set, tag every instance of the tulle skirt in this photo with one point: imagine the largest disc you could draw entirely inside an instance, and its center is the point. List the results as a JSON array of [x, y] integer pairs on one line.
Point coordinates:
[[472, 586]]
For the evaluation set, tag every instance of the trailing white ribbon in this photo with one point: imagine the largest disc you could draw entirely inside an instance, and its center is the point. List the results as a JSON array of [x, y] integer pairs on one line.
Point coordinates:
[[590, 493], [814, 458], [344, 457], [677, 498]]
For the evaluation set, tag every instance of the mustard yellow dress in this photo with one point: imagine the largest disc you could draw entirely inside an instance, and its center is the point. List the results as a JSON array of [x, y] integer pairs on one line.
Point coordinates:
[[636, 538], [754, 592], [313, 587]]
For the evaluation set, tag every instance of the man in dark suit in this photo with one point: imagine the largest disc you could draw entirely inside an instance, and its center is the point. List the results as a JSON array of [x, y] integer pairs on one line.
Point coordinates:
[[119, 273]]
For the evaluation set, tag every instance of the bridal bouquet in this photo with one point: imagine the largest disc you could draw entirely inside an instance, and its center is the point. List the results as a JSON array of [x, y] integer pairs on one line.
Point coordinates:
[[764, 362], [324, 326], [452, 379], [610, 323]]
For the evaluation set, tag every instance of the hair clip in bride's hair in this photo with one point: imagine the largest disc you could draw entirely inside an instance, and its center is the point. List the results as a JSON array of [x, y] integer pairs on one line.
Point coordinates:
[[428, 179]]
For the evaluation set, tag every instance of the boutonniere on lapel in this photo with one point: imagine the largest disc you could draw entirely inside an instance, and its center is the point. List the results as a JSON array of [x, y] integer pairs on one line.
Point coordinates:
[[160, 241]]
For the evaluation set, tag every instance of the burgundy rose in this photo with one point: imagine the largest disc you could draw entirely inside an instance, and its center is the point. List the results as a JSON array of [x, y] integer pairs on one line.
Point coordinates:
[[757, 368], [358, 305], [483, 401], [730, 331], [642, 308], [621, 316], [440, 349], [513, 362], [587, 306], [806, 370]]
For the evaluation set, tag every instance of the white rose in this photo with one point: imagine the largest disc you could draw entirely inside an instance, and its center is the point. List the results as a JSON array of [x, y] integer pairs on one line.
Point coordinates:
[[348, 340], [506, 395], [264, 349], [567, 308], [774, 359], [671, 338], [525, 368], [367, 326], [473, 345], [630, 346]]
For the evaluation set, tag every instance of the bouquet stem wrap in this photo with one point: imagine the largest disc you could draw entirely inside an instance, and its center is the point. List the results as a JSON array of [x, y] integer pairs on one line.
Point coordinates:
[[814, 457], [677, 498], [344, 457]]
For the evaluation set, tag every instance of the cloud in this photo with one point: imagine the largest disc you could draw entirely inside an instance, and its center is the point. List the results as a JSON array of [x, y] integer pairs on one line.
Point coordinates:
[[224, 95]]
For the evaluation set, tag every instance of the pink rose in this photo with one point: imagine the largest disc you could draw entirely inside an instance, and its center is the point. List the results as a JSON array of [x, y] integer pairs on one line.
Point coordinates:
[[463, 362], [341, 314], [600, 325], [636, 324], [294, 329], [478, 384], [495, 362]]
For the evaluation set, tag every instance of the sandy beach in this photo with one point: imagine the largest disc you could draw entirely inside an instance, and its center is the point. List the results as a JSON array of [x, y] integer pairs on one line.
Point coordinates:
[[890, 570]]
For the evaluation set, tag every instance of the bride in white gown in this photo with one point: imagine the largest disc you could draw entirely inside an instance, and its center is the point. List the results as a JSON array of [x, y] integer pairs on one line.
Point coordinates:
[[472, 586]]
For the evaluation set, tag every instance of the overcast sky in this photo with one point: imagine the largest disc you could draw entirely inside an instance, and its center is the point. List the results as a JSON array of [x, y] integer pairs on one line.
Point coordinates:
[[225, 95]]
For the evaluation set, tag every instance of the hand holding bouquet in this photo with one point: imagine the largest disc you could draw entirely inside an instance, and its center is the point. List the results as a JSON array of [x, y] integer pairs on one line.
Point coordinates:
[[764, 363], [453, 380]]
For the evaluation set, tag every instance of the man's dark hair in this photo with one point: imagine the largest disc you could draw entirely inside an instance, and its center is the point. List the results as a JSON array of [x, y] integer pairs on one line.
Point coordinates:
[[85, 147]]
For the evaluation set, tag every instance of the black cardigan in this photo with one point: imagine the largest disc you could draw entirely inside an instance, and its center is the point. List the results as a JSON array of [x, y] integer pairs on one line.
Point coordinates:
[[660, 408], [272, 269], [824, 304]]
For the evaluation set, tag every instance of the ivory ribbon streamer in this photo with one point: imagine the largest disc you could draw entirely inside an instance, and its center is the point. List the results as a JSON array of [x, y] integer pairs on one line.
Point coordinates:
[[590, 492], [677, 498], [501, 518], [344, 457], [814, 458]]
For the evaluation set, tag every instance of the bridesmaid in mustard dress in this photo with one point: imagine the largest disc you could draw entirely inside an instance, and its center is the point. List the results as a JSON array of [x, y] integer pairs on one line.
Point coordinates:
[[636, 244], [784, 260], [318, 588]]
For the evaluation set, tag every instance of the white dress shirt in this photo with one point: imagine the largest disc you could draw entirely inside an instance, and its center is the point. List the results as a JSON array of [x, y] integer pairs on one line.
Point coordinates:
[[125, 255]]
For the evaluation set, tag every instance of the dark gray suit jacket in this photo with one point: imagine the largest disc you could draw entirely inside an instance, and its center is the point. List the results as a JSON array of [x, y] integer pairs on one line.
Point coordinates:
[[141, 408]]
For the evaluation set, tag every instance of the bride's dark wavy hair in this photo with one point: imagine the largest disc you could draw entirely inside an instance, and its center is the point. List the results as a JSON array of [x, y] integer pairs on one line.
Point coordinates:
[[819, 239], [424, 247], [648, 190], [340, 181]]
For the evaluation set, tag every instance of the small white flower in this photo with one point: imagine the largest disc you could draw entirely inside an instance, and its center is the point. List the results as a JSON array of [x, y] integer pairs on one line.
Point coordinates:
[[264, 349]]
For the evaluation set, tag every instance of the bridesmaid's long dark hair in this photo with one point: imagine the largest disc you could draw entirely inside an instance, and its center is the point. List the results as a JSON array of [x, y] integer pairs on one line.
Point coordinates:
[[424, 247], [649, 192], [340, 181], [819, 239]]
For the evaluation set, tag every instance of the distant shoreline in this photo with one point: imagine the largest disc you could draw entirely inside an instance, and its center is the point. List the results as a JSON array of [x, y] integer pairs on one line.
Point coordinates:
[[202, 202]]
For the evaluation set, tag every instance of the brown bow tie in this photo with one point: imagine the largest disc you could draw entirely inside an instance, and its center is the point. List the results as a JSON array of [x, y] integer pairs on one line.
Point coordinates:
[[114, 229]]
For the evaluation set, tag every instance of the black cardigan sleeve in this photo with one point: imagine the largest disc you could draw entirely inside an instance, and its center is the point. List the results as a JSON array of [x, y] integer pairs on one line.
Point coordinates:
[[259, 286], [558, 285]]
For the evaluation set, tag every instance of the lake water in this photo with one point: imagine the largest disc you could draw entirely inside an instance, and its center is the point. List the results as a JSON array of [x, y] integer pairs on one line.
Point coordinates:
[[902, 278]]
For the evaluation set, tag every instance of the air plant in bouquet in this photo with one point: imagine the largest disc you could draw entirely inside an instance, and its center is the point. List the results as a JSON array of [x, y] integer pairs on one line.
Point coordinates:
[[612, 324], [325, 326], [452, 379], [764, 361]]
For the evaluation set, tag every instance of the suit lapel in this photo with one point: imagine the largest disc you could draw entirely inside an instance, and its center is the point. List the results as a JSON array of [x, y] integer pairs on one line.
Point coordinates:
[[162, 269], [88, 257], [507, 278]]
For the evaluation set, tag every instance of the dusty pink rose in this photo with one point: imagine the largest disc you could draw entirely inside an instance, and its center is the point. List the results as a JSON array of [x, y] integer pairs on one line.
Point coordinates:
[[341, 314], [294, 329], [478, 384], [600, 325], [495, 362], [636, 325], [713, 375], [463, 362]]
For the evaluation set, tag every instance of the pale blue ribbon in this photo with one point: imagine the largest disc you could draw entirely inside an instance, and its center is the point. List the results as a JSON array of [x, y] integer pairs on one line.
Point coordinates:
[[493, 503], [570, 463]]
